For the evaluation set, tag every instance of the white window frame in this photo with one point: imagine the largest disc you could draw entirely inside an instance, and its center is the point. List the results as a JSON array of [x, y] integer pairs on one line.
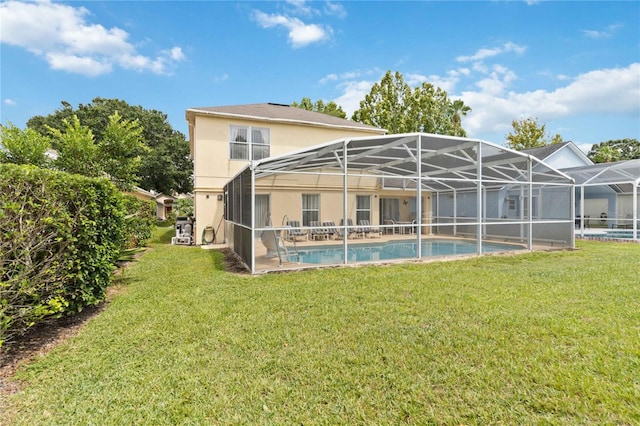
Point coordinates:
[[360, 211], [251, 144], [307, 209]]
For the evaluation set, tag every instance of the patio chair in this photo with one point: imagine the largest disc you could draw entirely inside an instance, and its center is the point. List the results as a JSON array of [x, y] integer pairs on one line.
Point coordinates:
[[334, 230], [367, 229], [392, 227], [351, 229], [295, 232], [317, 232]]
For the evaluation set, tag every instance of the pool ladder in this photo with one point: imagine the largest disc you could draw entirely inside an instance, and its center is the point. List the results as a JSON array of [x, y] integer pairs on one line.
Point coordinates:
[[281, 243]]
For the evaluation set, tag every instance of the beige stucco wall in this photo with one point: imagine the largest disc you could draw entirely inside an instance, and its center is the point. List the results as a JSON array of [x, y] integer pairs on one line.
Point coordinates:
[[213, 168], [288, 202]]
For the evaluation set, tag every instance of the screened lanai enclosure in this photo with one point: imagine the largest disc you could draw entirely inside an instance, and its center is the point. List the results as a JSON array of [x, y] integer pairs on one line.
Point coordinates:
[[395, 198], [607, 203]]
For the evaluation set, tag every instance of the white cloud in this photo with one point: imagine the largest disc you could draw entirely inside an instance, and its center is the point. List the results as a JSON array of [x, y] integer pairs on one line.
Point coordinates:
[[615, 90], [176, 54], [300, 34], [78, 64], [10, 102], [327, 78], [62, 36], [606, 33], [353, 93], [335, 9], [489, 53], [300, 7], [221, 78]]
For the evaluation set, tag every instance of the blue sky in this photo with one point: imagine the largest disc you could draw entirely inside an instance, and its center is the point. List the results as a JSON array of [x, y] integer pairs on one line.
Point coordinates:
[[575, 66]]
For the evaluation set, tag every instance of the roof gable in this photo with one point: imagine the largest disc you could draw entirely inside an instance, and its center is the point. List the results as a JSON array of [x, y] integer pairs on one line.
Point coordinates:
[[560, 155]]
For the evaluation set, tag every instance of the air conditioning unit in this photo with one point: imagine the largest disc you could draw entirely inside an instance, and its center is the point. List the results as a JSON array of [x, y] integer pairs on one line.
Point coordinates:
[[184, 231]]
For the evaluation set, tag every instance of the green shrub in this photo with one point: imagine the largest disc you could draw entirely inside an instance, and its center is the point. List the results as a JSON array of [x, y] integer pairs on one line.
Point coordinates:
[[60, 235], [139, 222]]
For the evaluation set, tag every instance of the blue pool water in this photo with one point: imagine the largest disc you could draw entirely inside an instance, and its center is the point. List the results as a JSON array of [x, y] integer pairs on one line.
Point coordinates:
[[396, 250]]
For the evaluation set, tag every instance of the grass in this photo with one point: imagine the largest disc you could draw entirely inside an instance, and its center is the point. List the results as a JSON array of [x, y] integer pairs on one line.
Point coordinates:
[[540, 338]]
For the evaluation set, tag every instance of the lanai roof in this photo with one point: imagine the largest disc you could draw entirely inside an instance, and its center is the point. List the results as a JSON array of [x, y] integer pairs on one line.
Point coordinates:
[[622, 174], [447, 162]]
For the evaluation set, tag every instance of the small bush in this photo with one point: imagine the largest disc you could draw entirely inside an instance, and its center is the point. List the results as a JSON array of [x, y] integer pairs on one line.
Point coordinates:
[[60, 235], [139, 222]]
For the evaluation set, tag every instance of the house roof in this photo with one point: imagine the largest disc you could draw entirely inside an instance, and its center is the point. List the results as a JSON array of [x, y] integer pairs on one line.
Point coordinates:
[[544, 152], [282, 113]]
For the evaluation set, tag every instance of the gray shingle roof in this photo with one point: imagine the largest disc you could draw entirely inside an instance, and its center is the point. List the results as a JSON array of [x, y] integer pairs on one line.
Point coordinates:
[[545, 151], [284, 113]]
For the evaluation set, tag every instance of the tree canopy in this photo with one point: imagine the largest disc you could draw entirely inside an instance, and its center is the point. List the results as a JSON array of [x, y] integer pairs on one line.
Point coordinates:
[[319, 106], [615, 150], [528, 133], [164, 166], [116, 155], [393, 105], [19, 146], [76, 148]]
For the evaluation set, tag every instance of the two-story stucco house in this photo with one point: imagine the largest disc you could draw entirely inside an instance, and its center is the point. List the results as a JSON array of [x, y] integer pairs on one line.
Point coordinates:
[[224, 139]]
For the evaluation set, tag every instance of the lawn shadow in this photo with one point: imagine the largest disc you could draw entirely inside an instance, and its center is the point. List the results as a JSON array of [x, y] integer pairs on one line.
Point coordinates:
[[162, 235]]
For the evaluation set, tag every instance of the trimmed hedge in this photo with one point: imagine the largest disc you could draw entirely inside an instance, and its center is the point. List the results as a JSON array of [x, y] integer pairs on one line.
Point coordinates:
[[60, 236]]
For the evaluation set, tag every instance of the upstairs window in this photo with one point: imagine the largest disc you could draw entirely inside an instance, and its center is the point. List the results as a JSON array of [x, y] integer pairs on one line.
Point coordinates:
[[248, 143]]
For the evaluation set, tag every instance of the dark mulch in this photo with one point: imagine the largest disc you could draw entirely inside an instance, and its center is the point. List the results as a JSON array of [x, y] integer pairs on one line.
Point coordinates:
[[38, 341], [232, 262]]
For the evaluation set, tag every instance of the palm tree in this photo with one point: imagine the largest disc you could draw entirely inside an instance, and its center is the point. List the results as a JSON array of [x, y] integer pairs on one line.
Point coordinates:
[[606, 154], [458, 109]]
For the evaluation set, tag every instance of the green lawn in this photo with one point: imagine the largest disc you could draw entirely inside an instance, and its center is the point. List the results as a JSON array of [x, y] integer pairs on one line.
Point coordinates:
[[540, 338]]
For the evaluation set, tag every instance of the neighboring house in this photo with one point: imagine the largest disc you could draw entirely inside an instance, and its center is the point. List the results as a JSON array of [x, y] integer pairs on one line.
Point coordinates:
[[164, 203], [224, 139], [164, 206], [560, 155]]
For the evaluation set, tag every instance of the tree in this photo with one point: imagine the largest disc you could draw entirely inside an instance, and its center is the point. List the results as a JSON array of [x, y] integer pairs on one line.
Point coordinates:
[[615, 150], [459, 110], [120, 149], [331, 108], [23, 146], [527, 134], [183, 207], [393, 105], [77, 151], [165, 167]]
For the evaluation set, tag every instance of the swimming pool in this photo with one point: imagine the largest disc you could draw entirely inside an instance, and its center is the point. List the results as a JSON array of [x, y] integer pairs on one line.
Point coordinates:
[[396, 250]]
